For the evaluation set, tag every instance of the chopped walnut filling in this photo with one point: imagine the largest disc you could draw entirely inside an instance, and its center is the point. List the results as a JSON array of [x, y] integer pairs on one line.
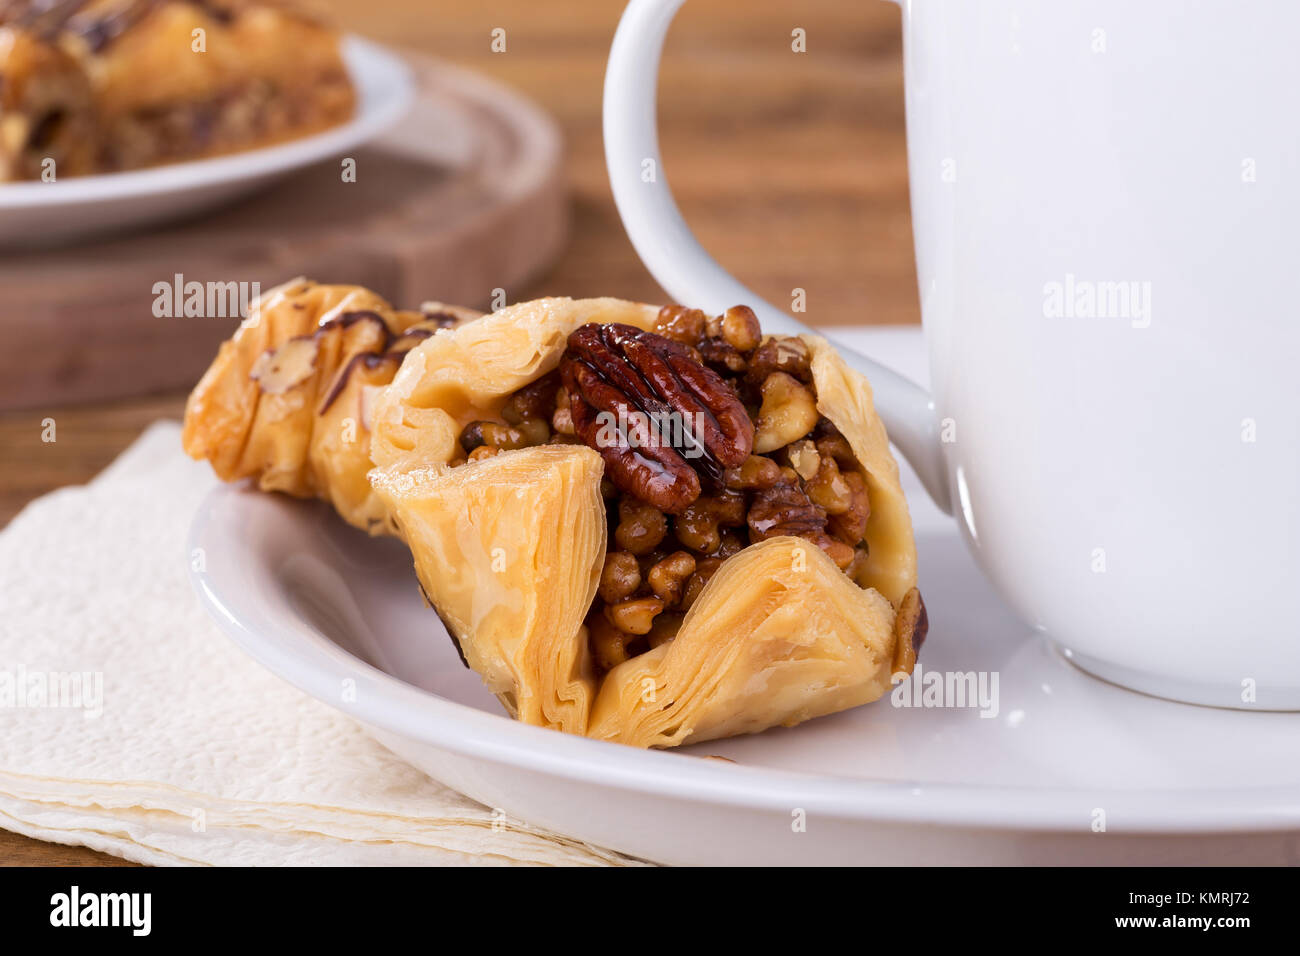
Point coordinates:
[[755, 459]]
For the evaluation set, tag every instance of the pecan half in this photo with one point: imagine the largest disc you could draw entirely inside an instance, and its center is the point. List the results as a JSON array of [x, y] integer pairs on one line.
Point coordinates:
[[666, 425]]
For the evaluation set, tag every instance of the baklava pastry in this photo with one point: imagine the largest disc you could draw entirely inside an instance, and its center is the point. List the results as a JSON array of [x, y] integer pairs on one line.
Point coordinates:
[[287, 400], [137, 83], [46, 109], [267, 72], [652, 526]]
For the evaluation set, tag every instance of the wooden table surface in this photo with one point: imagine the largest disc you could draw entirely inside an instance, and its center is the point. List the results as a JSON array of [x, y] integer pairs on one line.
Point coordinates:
[[791, 167]]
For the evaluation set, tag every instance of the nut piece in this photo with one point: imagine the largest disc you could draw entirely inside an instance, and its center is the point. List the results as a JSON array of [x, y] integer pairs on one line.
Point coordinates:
[[851, 524], [276, 371], [608, 643], [732, 543], [493, 434], [910, 627], [636, 616], [705, 568], [831, 444], [756, 472], [804, 459], [718, 354], [562, 418], [789, 412], [640, 526], [697, 528], [784, 509], [562, 421], [729, 507], [664, 423], [536, 400], [839, 552], [680, 324], [857, 568], [665, 629], [620, 577], [781, 353], [668, 577], [829, 488], [740, 328], [534, 431]]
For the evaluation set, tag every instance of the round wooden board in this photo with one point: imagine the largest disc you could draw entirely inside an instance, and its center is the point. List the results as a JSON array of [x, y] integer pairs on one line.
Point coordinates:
[[465, 197]]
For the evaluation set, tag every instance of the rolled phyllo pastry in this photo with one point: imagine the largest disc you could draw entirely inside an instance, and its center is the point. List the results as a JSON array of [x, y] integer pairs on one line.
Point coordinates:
[[651, 526], [287, 400]]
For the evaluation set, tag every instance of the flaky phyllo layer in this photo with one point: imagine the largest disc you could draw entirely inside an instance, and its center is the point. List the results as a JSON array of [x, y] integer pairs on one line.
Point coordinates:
[[759, 571]]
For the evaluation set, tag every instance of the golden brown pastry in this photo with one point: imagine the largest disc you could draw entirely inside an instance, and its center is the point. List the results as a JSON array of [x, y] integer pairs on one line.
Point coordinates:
[[651, 526], [46, 110], [287, 400], [167, 80]]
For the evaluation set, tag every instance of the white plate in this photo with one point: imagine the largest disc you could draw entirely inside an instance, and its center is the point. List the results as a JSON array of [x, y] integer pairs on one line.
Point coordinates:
[[1069, 770], [39, 213]]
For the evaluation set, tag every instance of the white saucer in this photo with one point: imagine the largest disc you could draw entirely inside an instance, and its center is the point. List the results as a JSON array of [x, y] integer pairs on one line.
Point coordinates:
[[1069, 770], [38, 213]]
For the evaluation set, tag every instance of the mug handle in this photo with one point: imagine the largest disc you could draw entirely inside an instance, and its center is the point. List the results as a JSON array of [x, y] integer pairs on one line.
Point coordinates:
[[682, 266]]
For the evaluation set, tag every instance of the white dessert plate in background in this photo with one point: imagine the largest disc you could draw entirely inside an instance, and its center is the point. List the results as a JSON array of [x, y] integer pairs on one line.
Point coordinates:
[[1066, 769], [79, 207]]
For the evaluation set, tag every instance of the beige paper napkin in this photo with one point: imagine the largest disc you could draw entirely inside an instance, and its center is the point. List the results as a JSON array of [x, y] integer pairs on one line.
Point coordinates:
[[197, 754]]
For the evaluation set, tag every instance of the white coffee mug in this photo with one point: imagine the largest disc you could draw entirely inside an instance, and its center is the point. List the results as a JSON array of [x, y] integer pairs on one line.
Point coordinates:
[[1106, 199]]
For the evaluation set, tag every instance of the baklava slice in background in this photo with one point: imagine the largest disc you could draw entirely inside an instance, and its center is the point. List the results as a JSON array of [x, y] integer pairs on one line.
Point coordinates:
[[47, 109], [136, 83], [266, 73]]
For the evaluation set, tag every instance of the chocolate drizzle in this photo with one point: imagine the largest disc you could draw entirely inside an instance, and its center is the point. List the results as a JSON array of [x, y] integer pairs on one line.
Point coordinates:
[[371, 360], [392, 346], [346, 320], [445, 320]]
